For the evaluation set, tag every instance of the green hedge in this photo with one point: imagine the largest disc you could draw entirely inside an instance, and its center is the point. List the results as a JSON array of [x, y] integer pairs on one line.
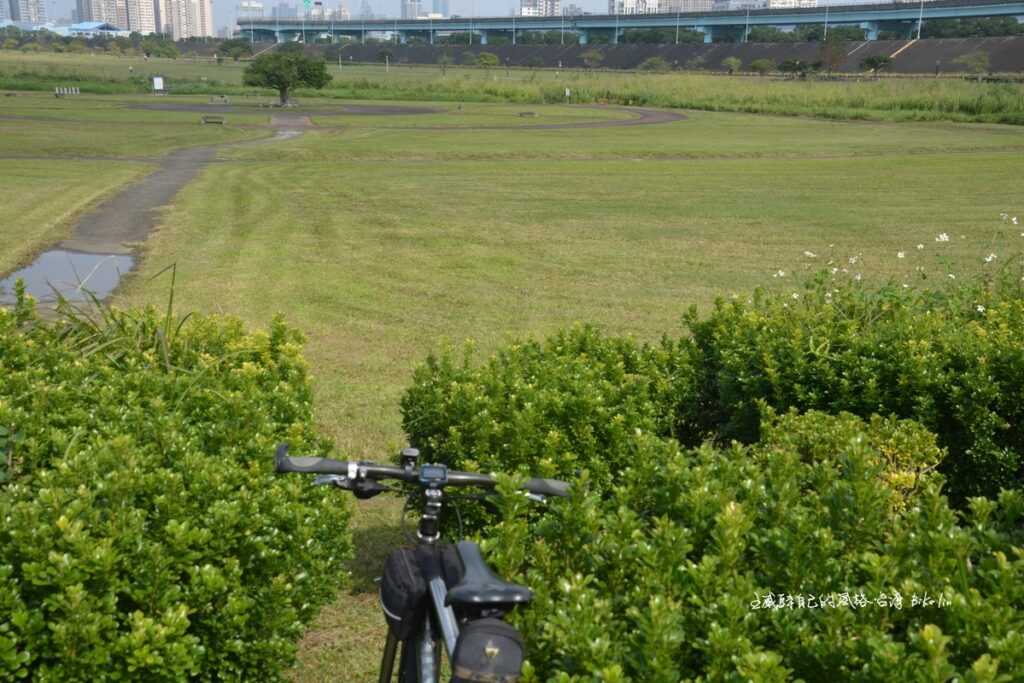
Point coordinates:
[[666, 576], [573, 401], [145, 536], [952, 360]]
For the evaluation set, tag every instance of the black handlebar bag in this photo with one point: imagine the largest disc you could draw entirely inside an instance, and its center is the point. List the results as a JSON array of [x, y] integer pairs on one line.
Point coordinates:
[[489, 651]]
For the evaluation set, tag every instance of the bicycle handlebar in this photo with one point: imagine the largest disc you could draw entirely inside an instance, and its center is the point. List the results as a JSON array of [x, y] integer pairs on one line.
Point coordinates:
[[367, 470]]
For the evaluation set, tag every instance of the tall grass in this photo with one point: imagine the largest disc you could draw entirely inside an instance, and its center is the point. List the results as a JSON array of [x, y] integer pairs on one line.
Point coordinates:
[[884, 99]]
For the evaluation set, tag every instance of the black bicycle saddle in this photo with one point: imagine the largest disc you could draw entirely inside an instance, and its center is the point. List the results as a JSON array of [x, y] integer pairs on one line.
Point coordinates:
[[481, 586]]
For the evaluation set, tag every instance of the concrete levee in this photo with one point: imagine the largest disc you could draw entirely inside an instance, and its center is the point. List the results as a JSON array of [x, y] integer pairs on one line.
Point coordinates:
[[1006, 55]]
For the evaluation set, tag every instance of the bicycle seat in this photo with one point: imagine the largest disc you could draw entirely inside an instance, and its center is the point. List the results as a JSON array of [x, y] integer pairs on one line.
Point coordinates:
[[481, 586]]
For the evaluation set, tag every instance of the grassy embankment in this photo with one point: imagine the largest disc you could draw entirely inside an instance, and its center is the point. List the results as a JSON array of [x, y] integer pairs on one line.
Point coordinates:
[[887, 99], [382, 243]]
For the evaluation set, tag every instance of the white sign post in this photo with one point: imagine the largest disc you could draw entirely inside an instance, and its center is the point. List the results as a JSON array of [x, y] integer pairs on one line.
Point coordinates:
[[158, 85]]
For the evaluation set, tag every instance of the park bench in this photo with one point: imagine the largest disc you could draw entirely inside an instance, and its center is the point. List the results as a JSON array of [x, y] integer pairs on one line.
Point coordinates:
[[213, 118], [61, 91]]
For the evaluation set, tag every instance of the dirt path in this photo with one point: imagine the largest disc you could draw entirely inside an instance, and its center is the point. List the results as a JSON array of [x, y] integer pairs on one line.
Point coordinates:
[[102, 244]]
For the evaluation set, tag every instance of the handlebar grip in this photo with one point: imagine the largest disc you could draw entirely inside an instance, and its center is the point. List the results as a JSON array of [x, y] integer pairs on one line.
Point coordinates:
[[308, 465], [547, 487]]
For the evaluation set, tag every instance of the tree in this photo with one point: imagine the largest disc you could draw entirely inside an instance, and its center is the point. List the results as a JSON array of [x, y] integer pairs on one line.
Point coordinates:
[[487, 59], [444, 59], [762, 66], [732, 64], [876, 63], [284, 71], [974, 62], [592, 58], [832, 54], [655, 64]]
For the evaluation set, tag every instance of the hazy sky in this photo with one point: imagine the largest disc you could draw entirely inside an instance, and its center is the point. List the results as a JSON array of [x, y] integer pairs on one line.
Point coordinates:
[[224, 10]]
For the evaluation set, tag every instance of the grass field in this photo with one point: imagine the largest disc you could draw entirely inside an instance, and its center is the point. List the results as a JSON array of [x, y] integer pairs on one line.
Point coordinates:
[[385, 237], [886, 99], [383, 244]]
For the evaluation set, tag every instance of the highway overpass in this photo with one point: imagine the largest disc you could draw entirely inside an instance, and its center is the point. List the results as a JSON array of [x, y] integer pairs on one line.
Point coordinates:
[[869, 17]]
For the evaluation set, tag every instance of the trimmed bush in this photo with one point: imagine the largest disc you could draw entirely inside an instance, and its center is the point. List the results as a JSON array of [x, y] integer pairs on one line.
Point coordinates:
[[145, 536], [804, 557], [953, 361], [574, 401]]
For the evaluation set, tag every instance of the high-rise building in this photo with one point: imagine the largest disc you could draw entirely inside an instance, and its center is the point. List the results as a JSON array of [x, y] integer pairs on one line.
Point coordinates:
[[130, 15], [442, 7], [365, 11], [3, 10], [31, 11], [250, 9], [284, 11], [540, 8], [684, 6], [410, 8], [633, 7]]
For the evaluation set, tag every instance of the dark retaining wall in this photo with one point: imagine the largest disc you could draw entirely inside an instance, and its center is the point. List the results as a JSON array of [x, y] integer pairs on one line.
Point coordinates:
[[1006, 55]]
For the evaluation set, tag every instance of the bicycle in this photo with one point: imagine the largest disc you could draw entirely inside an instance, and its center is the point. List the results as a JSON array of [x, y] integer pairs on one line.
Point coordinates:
[[435, 594]]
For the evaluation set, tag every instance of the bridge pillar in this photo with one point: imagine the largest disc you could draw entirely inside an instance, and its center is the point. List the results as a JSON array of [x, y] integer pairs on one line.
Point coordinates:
[[584, 36], [483, 37], [706, 30], [870, 29], [403, 37], [277, 37], [617, 35]]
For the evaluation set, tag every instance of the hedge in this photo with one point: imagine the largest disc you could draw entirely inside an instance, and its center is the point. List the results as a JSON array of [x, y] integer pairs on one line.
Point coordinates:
[[145, 536], [950, 359], [715, 565]]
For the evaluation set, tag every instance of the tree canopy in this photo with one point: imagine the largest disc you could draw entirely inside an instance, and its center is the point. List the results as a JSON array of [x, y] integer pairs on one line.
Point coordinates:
[[285, 71]]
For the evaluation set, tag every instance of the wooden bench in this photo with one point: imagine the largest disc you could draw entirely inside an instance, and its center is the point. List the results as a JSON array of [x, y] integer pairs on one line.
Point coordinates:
[[213, 118]]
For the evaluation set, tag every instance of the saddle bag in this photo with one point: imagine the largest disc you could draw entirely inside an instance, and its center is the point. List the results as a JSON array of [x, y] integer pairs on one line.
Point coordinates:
[[488, 651]]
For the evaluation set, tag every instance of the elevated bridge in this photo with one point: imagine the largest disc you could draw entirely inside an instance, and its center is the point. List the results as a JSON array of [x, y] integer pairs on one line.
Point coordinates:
[[868, 17]]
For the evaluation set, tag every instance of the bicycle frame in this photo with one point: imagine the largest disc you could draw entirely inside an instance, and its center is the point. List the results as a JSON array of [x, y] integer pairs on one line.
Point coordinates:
[[424, 643]]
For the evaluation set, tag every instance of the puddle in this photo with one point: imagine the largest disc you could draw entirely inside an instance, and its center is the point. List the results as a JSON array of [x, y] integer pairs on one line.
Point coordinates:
[[70, 273]]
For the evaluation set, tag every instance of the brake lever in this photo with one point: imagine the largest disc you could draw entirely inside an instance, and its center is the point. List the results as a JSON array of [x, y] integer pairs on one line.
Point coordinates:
[[341, 481]]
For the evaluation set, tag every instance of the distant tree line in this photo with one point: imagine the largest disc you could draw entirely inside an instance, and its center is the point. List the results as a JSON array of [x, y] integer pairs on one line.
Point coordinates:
[[13, 38]]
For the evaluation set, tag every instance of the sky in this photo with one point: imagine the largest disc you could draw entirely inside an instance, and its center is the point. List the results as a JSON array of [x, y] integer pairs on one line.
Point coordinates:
[[224, 11]]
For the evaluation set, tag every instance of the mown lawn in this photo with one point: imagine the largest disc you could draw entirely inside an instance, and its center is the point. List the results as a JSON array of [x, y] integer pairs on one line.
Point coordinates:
[[383, 244]]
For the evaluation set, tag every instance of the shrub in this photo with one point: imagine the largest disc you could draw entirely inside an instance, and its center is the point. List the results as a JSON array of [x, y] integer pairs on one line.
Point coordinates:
[[762, 66], [655, 64], [574, 401], [145, 536], [951, 361], [699, 565]]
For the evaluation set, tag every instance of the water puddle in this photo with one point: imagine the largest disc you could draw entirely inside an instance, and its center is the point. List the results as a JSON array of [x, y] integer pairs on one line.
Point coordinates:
[[74, 274]]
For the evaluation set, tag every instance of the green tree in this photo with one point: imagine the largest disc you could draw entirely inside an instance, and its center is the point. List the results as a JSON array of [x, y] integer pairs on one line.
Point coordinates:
[[592, 58], [762, 66], [876, 63], [732, 64], [832, 54], [487, 59], [655, 64], [976, 63], [444, 60], [285, 71]]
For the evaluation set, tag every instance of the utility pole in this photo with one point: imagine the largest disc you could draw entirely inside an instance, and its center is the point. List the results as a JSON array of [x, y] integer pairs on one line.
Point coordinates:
[[920, 20], [826, 23]]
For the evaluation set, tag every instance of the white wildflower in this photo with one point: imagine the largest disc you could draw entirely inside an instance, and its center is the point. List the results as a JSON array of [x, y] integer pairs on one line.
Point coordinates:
[[951, 276], [852, 260], [779, 273], [795, 295], [1014, 221], [980, 308], [901, 254], [810, 254], [943, 237], [990, 258], [857, 277], [835, 270]]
